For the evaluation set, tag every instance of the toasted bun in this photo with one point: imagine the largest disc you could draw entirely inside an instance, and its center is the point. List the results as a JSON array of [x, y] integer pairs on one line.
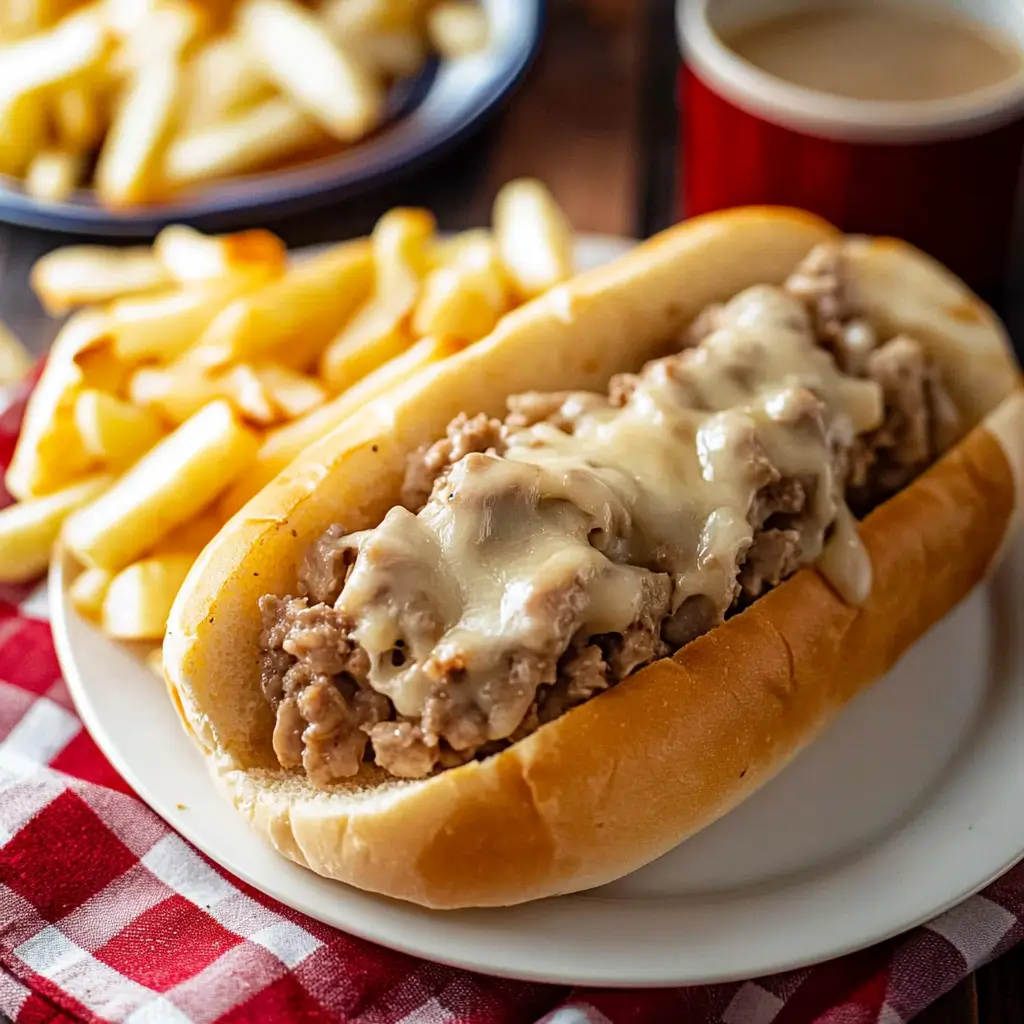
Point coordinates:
[[621, 779]]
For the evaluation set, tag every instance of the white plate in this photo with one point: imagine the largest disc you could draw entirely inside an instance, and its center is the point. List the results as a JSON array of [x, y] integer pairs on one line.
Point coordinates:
[[910, 803]]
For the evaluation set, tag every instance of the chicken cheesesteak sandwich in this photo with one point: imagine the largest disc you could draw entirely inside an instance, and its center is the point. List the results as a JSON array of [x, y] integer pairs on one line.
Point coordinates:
[[530, 620]]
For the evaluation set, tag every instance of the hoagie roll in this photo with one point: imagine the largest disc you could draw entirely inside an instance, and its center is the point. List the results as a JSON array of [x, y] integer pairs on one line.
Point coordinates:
[[561, 601]]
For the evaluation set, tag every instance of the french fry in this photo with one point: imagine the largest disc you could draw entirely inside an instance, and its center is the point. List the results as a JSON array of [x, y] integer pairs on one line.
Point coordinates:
[[377, 333], [296, 52], [293, 393], [80, 274], [401, 243], [291, 319], [535, 241], [170, 28], [87, 591], [265, 133], [25, 19], [285, 443], [178, 391], [465, 299], [127, 168], [28, 530], [101, 369], [192, 536], [165, 325], [379, 330], [396, 53], [84, 332], [249, 395], [49, 454], [250, 483], [174, 392], [77, 117], [22, 132], [139, 598], [75, 46], [446, 250], [221, 81], [175, 480], [457, 28], [364, 17], [155, 661], [114, 432], [123, 17], [15, 362], [54, 174], [191, 257]]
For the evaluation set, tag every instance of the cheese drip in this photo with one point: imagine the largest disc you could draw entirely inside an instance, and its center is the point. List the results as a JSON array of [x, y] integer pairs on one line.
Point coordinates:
[[631, 505]]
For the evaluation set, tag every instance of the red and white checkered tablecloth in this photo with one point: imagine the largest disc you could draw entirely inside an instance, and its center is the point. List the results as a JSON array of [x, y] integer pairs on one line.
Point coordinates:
[[106, 914]]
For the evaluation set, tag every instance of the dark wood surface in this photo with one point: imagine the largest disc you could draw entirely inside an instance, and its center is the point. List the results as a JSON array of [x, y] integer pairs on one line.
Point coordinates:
[[596, 120]]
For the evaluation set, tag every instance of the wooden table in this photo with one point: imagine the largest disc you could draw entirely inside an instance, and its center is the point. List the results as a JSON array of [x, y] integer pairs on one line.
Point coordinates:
[[596, 120]]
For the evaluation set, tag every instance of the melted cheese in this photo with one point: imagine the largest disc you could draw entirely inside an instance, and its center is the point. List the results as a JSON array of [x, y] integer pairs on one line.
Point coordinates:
[[645, 503]]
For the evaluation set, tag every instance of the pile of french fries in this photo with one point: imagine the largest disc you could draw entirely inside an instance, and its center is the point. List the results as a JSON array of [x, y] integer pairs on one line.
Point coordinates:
[[198, 368], [146, 98]]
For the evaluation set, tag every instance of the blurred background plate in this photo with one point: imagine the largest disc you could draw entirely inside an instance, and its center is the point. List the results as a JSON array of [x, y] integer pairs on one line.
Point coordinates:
[[429, 113]]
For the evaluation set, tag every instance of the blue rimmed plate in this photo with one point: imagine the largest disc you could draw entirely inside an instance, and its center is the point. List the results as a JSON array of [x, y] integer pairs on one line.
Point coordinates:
[[431, 113]]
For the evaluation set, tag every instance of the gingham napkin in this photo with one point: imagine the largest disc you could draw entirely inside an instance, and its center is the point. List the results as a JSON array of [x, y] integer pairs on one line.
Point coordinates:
[[106, 914]]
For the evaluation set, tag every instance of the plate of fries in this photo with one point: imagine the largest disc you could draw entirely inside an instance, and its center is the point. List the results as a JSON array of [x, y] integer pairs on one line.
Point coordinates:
[[124, 116], [190, 372]]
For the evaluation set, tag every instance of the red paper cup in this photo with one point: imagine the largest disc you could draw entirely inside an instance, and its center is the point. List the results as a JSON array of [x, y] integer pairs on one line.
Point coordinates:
[[942, 174]]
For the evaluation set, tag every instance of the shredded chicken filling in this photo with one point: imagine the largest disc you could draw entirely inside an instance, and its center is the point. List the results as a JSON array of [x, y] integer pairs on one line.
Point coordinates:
[[539, 560]]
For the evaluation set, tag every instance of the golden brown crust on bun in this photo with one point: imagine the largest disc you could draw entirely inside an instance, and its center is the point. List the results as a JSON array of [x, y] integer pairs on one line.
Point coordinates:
[[624, 777]]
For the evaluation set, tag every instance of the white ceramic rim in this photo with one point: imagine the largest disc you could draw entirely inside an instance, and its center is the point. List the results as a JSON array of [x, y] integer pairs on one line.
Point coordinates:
[[821, 114]]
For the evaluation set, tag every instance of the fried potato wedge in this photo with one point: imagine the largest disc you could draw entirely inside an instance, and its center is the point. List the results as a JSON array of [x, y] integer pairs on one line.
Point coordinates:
[[49, 454], [298, 54], [285, 443], [165, 325], [29, 529], [535, 240], [76, 275], [87, 591], [190, 257], [291, 319], [175, 480], [139, 598], [116, 433]]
